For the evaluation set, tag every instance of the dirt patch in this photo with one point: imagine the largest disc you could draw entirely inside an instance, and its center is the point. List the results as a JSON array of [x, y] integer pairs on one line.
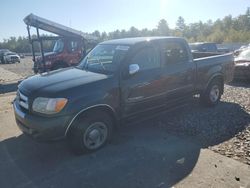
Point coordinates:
[[6, 102], [23, 69]]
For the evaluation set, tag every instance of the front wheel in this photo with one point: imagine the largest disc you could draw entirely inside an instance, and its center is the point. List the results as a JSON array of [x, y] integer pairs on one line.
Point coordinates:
[[90, 132], [212, 94]]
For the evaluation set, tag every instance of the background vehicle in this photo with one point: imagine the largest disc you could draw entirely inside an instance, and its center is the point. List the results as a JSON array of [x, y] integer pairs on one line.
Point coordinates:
[[11, 57], [118, 81], [242, 65], [203, 47], [2, 51], [70, 46], [242, 48]]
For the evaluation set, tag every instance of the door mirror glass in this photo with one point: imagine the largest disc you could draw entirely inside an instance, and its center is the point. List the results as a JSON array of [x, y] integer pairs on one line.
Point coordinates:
[[133, 68]]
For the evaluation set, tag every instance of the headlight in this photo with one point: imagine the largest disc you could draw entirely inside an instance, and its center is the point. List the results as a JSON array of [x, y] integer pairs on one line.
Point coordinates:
[[48, 105]]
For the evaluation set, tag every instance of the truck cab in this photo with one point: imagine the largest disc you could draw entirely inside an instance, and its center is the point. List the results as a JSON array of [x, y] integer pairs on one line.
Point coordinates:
[[65, 53]]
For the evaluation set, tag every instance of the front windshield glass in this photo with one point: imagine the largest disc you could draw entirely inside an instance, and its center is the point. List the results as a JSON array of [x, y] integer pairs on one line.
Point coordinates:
[[59, 45], [104, 58]]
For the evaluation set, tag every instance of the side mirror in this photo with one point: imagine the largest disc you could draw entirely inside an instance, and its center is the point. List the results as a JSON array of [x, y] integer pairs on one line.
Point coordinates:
[[133, 68]]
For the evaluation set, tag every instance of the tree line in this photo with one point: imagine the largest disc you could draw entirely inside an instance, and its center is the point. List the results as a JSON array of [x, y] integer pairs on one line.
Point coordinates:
[[226, 30]]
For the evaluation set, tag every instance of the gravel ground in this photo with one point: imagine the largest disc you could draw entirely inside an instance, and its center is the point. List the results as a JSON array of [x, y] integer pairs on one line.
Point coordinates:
[[224, 129], [238, 147]]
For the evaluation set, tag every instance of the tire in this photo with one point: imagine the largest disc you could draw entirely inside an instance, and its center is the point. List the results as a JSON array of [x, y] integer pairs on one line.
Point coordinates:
[[212, 94], [98, 125]]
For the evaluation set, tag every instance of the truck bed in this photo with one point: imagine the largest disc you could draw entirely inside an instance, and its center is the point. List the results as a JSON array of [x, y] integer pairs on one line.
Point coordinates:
[[219, 64]]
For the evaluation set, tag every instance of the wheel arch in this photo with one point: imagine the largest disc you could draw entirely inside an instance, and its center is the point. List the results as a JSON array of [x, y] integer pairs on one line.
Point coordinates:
[[95, 108], [218, 77]]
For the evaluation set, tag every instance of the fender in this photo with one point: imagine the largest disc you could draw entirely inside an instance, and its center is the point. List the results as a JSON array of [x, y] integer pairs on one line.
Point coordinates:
[[214, 76], [85, 109], [212, 73]]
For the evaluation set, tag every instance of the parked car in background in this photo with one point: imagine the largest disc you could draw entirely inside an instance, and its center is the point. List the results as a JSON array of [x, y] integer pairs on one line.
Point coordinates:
[[242, 65], [242, 48], [21, 55], [2, 51], [203, 47], [11, 57]]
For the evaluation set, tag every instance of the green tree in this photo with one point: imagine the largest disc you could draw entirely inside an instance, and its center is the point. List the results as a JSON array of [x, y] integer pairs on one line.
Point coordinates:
[[162, 28], [180, 24]]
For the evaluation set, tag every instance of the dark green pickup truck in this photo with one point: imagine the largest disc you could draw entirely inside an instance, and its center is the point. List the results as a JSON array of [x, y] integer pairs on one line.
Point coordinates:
[[118, 81]]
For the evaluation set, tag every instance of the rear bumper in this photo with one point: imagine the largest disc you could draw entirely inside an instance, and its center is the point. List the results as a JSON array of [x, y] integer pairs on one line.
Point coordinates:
[[41, 128]]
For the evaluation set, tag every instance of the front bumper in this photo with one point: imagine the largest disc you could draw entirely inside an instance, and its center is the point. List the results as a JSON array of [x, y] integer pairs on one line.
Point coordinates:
[[12, 60], [41, 128]]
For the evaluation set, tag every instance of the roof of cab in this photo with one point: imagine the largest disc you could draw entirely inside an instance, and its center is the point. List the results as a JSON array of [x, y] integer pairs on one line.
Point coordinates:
[[136, 40]]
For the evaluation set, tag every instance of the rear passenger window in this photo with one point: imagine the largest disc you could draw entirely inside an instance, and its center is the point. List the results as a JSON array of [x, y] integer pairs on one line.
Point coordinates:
[[146, 58], [174, 52]]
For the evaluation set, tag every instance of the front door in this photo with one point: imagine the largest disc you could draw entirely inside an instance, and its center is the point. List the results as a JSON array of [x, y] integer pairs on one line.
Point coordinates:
[[144, 90]]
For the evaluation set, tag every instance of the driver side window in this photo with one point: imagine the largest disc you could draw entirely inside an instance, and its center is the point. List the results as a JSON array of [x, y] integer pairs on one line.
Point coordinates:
[[147, 58]]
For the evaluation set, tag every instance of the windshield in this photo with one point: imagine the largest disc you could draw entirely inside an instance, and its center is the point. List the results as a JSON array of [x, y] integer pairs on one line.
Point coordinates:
[[104, 58], [244, 55], [59, 45]]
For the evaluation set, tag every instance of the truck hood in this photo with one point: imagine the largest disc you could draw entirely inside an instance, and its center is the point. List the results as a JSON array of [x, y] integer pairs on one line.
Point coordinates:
[[59, 80]]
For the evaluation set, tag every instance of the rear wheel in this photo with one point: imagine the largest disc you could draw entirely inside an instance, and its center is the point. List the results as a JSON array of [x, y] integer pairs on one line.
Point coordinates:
[[212, 94], [90, 132]]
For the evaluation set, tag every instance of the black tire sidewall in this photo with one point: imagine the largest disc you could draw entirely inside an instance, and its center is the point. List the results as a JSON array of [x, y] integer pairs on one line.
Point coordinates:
[[76, 132], [205, 97]]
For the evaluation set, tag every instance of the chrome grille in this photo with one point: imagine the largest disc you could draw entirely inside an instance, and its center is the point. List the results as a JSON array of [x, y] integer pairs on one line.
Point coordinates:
[[22, 100]]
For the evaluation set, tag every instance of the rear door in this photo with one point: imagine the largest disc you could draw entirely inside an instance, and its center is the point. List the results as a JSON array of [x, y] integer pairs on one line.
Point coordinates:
[[179, 70], [144, 90]]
